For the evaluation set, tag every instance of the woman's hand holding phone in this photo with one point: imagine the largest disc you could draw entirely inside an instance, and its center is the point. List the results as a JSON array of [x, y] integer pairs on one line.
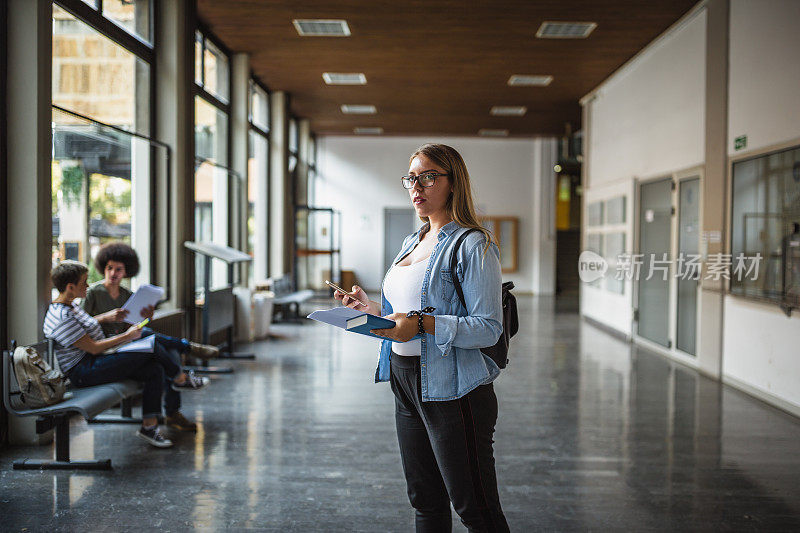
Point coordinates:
[[354, 299]]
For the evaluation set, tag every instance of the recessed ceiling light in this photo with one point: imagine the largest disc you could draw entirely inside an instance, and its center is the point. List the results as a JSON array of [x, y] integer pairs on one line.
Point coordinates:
[[356, 109], [339, 78], [565, 30], [529, 80], [368, 131], [493, 133], [321, 28], [509, 110]]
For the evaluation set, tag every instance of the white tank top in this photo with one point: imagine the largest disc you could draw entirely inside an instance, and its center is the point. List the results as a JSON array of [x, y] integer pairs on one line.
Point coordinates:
[[403, 289]]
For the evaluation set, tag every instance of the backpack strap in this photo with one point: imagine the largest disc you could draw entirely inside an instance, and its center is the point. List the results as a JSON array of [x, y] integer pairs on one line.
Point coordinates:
[[454, 263]]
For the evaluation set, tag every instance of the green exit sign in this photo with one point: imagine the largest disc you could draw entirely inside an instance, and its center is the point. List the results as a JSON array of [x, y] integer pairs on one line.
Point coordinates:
[[740, 142]]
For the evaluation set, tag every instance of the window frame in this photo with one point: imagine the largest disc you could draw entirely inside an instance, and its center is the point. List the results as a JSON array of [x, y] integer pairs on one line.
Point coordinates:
[[728, 288], [199, 89], [94, 17], [252, 127], [145, 51]]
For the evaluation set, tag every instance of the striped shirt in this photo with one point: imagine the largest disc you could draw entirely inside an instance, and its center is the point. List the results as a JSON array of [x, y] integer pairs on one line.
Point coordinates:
[[66, 324]]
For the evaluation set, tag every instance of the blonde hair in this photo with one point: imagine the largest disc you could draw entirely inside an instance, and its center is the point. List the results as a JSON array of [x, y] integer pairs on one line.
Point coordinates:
[[459, 203]]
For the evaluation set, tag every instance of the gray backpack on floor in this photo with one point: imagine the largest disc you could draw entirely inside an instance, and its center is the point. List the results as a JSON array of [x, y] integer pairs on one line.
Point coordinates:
[[39, 384]]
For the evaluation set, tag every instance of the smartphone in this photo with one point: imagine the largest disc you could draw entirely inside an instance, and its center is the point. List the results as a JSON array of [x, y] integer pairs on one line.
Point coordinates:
[[348, 293]]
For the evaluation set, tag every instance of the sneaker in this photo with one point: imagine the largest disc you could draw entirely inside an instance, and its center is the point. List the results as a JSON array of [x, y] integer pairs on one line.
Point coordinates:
[[154, 437], [203, 351], [191, 383], [180, 422]]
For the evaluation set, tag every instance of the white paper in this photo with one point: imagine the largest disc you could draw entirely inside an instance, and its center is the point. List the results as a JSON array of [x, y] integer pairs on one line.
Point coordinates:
[[146, 344], [338, 316], [145, 296]]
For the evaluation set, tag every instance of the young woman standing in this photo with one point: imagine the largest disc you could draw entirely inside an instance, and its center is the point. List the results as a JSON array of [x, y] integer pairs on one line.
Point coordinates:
[[445, 405]]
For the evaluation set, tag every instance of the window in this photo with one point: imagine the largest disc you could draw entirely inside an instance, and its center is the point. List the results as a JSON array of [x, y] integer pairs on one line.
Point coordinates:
[[103, 159], [134, 16], [211, 67], [606, 236], [312, 170], [258, 183], [216, 185], [259, 107], [96, 77], [212, 185], [765, 224], [210, 132]]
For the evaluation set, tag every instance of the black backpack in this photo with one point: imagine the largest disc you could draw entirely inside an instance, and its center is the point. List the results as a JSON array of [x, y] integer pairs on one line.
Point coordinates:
[[498, 352]]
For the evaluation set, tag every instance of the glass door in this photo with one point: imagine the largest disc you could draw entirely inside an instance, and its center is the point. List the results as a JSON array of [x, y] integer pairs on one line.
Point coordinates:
[[655, 239], [687, 279]]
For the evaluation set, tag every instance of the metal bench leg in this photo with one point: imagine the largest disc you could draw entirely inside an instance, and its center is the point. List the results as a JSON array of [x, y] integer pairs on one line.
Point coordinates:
[[62, 461], [230, 354], [125, 417]]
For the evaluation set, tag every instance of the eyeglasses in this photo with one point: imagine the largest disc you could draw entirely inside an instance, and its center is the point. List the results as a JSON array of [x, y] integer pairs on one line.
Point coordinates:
[[426, 180]]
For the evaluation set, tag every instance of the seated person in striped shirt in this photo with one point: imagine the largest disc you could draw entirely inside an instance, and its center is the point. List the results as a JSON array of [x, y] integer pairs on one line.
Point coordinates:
[[81, 343], [104, 300]]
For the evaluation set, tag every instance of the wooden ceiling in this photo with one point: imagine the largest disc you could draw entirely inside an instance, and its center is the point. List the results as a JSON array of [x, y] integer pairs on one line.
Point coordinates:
[[436, 67]]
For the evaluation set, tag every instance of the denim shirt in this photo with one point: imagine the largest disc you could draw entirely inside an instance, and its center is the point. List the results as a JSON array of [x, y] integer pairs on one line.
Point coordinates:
[[451, 363]]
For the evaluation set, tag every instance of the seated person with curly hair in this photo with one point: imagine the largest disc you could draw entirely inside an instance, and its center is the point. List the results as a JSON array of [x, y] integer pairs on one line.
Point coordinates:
[[81, 350], [104, 301]]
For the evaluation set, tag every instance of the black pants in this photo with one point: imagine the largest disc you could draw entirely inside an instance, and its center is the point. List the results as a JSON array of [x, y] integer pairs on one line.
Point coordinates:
[[446, 448], [148, 368]]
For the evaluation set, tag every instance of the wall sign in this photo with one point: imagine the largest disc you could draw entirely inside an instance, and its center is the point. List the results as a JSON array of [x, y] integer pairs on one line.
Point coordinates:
[[740, 142]]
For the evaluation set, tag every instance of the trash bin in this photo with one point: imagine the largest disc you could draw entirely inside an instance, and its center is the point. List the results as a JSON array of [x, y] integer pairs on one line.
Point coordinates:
[[244, 314], [262, 313]]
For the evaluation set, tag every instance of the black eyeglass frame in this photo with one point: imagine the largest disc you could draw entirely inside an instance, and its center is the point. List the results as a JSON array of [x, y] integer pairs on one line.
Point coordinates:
[[417, 178]]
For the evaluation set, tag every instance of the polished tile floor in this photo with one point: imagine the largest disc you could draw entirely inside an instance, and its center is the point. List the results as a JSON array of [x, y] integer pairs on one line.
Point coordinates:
[[593, 434]]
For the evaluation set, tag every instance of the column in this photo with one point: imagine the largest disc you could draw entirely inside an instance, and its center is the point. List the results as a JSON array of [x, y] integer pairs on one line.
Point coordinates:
[[710, 309], [175, 126]]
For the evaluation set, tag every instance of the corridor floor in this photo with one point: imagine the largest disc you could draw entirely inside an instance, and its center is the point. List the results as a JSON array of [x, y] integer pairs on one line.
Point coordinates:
[[593, 434]]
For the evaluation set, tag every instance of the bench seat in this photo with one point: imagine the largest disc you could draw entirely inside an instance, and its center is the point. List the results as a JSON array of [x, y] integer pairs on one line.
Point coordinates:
[[89, 402]]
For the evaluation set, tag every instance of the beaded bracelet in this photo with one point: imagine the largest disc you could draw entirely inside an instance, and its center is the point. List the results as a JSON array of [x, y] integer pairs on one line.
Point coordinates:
[[419, 316]]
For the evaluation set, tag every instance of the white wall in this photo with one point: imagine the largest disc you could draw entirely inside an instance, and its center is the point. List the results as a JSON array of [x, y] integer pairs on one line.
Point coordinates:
[[763, 101], [760, 350], [360, 176], [648, 118], [760, 342]]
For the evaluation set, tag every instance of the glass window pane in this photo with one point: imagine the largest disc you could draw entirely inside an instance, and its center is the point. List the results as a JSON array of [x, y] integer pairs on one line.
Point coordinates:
[[766, 207], [215, 75], [198, 58], [614, 247], [293, 135], [615, 210], [594, 212], [594, 243], [259, 107], [211, 132], [211, 209], [100, 191], [133, 15], [94, 76], [257, 218]]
